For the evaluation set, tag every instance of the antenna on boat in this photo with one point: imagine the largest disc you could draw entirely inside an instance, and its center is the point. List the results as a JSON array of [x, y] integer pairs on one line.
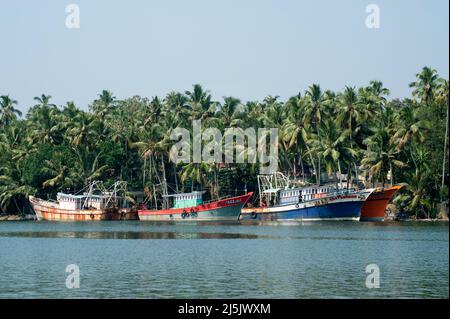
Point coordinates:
[[117, 186], [90, 192], [271, 184]]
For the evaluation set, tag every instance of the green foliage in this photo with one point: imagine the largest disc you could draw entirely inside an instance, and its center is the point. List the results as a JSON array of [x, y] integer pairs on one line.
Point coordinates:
[[358, 131]]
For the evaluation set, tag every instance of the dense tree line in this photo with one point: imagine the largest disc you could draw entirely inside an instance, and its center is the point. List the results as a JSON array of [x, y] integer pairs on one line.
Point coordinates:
[[358, 132]]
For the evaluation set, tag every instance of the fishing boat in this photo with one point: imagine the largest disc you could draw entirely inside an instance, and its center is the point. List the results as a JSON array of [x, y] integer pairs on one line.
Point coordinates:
[[280, 202], [374, 208], [190, 207], [95, 204]]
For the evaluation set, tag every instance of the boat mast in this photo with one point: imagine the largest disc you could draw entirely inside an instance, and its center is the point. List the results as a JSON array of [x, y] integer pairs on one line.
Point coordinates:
[[90, 192]]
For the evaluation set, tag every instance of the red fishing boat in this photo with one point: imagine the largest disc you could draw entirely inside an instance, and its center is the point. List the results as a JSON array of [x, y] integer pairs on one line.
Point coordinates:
[[190, 207], [374, 208]]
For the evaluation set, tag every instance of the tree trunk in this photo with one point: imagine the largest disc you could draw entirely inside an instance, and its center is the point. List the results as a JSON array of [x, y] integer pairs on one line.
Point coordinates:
[[392, 173], [165, 199], [318, 176], [295, 171], [340, 174], [175, 175], [445, 152], [145, 167], [312, 161], [17, 206], [348, 176], [154, 196], [303, 169]]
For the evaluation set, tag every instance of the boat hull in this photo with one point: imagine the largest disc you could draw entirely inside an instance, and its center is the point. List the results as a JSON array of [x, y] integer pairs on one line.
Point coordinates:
[[374, 208], [46, 210], [338, 208], [223, 210]]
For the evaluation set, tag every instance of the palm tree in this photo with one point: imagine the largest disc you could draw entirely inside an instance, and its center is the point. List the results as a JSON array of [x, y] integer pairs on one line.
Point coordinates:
[[200, 103], [80, 131], [102, 106], [44, 122], [425, 85], [8, 112], [12, 191], [314, 110], [296, 135], [350, 118], [410, 130], [197, 173], [175, 109], [381, 155], [350, 114], [61, 174], [379, 91], [228, 113], [332, 149], [443, 95]]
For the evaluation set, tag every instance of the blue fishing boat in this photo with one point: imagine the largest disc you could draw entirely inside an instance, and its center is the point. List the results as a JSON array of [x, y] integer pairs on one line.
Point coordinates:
[[280, 202]]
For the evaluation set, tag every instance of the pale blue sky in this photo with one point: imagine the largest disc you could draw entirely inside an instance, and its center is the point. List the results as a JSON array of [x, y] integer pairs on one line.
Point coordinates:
[[245, 48]]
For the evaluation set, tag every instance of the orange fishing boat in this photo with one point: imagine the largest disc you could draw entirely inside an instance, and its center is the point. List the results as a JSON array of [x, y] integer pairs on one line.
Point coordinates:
[[88, 206], [374, 208]]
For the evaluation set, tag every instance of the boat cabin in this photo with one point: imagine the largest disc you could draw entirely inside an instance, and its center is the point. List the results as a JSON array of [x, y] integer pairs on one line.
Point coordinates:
[[77, 202], [296, 195], [185, 200]]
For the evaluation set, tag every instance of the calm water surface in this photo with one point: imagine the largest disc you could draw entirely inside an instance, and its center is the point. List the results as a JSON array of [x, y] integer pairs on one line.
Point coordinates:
[[143, 260]]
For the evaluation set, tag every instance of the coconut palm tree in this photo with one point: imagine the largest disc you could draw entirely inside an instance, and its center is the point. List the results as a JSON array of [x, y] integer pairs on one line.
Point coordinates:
[[410, 130], [12, 191], [442, 95], [314, 108], [297, 135], [199, 101], [381, 155], [197, 173], [379, 92], [425, 85], [228, 113], [332, 148], [44, 122], [8, 112], [104, 104]]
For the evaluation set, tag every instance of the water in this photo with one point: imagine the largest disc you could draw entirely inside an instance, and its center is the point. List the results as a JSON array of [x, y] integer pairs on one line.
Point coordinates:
[[142, 260]]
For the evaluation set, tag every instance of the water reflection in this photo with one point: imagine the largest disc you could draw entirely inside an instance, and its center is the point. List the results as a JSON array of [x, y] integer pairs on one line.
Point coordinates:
[[131, 235]]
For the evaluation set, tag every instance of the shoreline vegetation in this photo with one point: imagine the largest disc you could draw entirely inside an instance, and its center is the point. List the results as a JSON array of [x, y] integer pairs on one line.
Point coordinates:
[[30, 217], [359, 133]]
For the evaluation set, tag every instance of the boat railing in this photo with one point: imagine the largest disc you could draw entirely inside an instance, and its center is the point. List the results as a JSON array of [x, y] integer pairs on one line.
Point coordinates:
[[48, 202], [220, 198], [320, 196]]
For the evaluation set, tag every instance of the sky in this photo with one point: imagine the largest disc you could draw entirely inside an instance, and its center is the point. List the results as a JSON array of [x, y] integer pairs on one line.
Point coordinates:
[[245, 48]]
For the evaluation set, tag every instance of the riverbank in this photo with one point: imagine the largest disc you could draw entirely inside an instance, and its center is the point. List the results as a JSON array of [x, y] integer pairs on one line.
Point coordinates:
[[16, 218]]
